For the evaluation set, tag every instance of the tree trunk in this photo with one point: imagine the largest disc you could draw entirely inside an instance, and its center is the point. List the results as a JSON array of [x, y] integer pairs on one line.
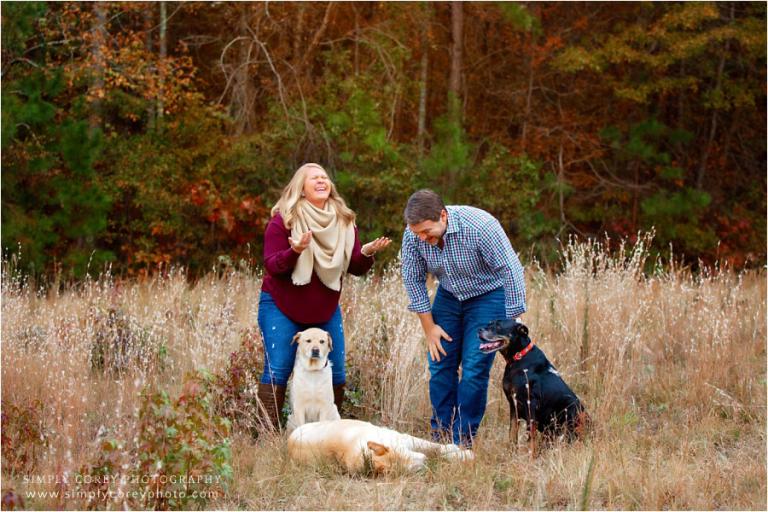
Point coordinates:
[[149, 24], [424, 75], [161, 68], [528, 45], [635, 196], [357, 40], [299, 32], [713, 121], [561, 188], [243, 91], [457, 35], [454, 84], [99, 39], [528, 97]]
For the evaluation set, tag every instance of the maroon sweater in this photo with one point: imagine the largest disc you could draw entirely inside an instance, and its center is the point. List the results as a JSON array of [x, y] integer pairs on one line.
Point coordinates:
[[312, 303]]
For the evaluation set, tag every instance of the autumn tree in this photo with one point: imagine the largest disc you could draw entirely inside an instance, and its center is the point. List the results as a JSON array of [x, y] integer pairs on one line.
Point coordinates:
[[161, 133]]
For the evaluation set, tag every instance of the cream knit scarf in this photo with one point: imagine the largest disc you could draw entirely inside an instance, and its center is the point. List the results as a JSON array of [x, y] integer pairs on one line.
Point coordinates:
[[329, 250]]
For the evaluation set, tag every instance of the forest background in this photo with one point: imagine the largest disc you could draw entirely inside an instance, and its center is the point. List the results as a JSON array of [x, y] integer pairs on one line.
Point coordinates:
[[143, 135]]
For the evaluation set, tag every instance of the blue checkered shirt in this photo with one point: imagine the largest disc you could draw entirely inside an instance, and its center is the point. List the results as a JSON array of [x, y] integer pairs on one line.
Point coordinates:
[[476, 258]]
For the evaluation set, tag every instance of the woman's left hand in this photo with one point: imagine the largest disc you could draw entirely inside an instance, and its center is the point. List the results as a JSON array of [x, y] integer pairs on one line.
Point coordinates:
[[375, 246]]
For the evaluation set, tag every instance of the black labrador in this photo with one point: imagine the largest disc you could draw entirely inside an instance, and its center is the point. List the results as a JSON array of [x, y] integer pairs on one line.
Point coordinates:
[[534, 388]]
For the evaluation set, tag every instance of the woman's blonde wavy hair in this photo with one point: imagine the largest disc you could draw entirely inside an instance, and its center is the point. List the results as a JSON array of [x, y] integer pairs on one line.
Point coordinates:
[[291, 197]]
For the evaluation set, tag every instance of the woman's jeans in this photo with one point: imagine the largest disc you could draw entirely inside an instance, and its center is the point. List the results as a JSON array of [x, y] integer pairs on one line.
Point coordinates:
[[278, 331], [458, 406]]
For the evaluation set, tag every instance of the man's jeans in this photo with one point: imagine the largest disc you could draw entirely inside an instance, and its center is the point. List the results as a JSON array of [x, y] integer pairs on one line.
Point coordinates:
[[279, 353], [458, 406]]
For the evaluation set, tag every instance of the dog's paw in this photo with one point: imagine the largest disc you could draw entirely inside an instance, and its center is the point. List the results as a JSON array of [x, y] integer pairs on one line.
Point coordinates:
[[458, 453], [416, 461]]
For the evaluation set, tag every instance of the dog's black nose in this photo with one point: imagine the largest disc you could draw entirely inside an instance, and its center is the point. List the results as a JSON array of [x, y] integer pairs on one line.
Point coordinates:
[[315, 352]]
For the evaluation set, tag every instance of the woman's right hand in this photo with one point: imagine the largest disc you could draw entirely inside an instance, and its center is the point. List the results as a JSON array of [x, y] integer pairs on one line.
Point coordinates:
[[302, 243]]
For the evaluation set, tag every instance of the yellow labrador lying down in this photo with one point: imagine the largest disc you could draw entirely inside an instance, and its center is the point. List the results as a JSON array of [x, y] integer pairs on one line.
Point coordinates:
[[351, 442]]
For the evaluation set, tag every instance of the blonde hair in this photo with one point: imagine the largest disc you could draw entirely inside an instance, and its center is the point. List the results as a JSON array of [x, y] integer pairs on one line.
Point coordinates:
[[292, 196]]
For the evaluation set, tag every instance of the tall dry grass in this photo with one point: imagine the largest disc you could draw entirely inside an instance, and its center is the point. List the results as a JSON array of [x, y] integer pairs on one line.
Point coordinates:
[[671, 365]]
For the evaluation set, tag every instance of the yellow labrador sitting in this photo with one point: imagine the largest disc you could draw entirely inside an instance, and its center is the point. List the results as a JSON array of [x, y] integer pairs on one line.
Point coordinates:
[[351, 442], [311, 386]]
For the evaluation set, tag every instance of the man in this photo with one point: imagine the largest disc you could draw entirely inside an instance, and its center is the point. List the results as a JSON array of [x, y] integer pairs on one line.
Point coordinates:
[[481, 280]]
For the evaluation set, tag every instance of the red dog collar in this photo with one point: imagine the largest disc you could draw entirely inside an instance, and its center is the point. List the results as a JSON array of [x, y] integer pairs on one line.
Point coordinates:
[[522, 353]]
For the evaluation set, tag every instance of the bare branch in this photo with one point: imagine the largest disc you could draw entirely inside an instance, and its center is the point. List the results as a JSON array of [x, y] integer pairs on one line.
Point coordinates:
[[181, 4], [614, 180], [223, 67], [280, 88], [307, 124], [318, 35]]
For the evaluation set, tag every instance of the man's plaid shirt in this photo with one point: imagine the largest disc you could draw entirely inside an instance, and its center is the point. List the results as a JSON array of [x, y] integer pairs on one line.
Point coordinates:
[[476, 258]]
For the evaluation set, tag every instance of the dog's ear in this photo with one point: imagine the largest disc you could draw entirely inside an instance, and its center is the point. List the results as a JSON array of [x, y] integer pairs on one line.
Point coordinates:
[[330, 340], [522, 329], [296, 338], [378, 449]]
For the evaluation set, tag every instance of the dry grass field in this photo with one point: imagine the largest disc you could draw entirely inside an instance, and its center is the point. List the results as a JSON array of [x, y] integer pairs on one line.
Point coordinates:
[[671, 365]]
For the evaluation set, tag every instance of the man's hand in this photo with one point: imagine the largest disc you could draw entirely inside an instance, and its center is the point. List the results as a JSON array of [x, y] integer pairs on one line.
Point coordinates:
[[302, 243], [434, 336]]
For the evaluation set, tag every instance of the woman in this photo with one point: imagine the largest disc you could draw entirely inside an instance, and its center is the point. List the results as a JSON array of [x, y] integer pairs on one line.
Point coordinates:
[[310, 242]]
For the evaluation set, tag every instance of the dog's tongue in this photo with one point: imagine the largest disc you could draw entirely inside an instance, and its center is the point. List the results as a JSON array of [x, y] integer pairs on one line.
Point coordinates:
[[489, 347]]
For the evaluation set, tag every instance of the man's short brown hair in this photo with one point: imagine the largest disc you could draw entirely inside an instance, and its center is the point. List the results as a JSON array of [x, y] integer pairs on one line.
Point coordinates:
[[423, 205]]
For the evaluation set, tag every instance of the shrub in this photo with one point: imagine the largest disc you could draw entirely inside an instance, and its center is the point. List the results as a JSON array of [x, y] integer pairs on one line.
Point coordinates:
[[104, 478], [236, 388], [12, 500], [24, 436], [120, 344], [184, 448], [180, 459]]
